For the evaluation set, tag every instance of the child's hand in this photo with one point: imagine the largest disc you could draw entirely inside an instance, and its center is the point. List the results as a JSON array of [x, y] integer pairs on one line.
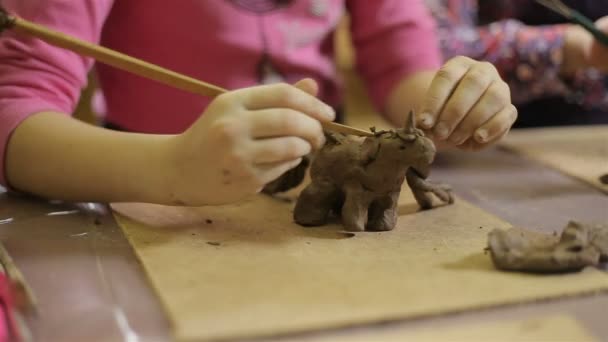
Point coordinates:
[[246, 139], [467, 105], [581, 50]]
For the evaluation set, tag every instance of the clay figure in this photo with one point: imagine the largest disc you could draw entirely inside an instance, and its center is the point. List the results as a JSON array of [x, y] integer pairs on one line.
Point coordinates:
[[362, 180], [580, 245]]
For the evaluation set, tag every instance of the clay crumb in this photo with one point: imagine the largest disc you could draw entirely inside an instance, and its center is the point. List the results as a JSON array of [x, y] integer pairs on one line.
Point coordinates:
[[480, 227], [193, 234], [214, 243], [308, 242], [176, 201], [208, 221]]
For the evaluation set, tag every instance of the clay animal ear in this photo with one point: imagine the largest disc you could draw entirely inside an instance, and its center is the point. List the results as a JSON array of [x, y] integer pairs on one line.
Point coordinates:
[[410, 123]]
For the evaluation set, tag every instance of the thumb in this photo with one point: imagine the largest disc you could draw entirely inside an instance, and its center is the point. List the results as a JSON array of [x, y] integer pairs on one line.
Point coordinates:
[[308, 85]]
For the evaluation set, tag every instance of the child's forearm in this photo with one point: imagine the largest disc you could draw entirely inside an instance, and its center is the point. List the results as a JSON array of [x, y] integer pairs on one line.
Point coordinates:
[[408, 95], [55, 156]]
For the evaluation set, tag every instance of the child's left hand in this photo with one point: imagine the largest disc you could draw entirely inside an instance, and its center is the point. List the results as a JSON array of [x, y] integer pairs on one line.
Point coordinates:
[[467, 105]]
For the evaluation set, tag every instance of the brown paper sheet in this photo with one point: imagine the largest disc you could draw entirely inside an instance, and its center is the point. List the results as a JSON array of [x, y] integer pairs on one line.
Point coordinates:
[[247, 270], [550, 328], [580, 152]]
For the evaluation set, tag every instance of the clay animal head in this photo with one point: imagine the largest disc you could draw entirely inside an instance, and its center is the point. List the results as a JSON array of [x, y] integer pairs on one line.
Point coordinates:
[[406, 146]]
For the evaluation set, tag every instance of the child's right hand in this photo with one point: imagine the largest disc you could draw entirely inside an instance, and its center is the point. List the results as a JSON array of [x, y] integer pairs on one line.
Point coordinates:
[[245, 139]]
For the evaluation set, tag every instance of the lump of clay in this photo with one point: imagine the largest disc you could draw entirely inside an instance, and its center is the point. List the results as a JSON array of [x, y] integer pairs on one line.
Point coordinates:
[[361, 180], [579, 246]]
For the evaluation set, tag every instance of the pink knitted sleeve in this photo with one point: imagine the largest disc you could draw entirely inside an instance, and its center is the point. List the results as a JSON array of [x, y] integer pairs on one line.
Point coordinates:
[[393, 39], [35, 76]]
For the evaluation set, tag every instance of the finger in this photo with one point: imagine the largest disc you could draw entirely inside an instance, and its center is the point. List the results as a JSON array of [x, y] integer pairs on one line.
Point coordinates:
[[270, 172], [474, 146], [271, 123], [468, 145], [602, 23], [491, 102], [278, 150], [443, 85], [282, 95], [308, 85], [497, 126], [469, 91]]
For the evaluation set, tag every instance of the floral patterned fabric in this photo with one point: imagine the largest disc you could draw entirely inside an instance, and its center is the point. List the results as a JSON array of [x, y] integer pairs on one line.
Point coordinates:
[[527, 57]]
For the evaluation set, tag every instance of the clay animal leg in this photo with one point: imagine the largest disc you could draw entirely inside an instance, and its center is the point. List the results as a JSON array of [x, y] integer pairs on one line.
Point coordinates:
[[315, 202], [355, 209], [423, 189], [383, 213]]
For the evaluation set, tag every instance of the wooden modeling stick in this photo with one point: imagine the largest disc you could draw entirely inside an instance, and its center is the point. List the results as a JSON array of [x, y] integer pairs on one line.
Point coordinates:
[[23, 295], [133, 65]]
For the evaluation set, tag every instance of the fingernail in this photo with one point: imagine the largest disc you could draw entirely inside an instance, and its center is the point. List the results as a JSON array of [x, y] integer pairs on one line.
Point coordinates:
[[441, 131], [426, 120], [307, 150], [330, 113], [481, 135]]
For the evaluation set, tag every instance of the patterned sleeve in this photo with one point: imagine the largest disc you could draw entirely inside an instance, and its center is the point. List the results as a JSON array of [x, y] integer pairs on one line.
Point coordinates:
[[528, 57]]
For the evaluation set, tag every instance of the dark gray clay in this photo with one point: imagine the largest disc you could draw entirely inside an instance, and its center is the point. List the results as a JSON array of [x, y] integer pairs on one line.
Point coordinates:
[[579, 246], [362, 180]]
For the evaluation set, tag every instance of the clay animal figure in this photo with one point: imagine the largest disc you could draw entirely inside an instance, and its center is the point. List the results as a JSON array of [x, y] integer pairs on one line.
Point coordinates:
[[580, 245], [361, 180]]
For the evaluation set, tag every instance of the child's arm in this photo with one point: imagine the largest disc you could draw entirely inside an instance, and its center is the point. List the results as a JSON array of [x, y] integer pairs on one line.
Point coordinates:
[[466, 105], [36, 77], [536, 61], [397, 54], [54, 156], [393, 40], [246, 139]]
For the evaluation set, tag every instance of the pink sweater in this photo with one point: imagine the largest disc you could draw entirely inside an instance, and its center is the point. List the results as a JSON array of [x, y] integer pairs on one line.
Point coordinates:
[[218, 41]]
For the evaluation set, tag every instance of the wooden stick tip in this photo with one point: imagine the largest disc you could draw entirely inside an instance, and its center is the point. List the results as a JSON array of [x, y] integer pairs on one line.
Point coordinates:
[[6, 21]]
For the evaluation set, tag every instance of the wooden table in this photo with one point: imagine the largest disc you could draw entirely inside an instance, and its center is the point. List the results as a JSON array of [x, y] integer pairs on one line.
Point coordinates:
[[91, 287]]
